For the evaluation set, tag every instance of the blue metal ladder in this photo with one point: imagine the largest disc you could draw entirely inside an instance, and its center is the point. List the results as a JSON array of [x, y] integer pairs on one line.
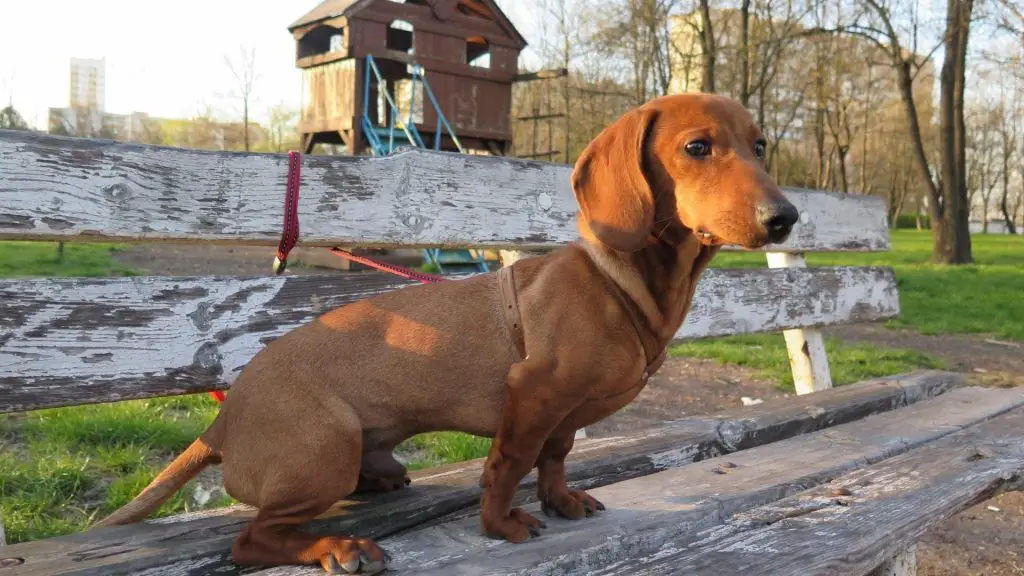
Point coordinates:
[[398, 132]]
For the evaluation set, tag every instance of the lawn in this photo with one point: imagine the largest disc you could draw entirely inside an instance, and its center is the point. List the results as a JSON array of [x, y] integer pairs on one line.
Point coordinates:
[[984, 298], [61, 468]]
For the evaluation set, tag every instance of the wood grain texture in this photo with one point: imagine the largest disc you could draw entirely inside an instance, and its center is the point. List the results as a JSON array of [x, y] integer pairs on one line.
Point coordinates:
[[890, 505], [688, 506], [64, 188], [196, 544], [74, 341], [903, 563]]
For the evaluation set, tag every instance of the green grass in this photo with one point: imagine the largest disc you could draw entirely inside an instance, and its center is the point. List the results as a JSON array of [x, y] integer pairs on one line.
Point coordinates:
[[428, 450], [767, 355], [60, 468], [42, 259], [983, 298]]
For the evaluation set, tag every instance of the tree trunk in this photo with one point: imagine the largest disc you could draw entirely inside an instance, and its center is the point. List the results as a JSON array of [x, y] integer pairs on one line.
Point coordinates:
[[843, 183], [952, 236], [707, 83], [1011, 228], [745, 53], [245, 121]]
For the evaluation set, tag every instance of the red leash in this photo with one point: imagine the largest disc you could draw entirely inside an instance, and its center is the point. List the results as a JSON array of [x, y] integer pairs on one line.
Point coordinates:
[[290, 237]]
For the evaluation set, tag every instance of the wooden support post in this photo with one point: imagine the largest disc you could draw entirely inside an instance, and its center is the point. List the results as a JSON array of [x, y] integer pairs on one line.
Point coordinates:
[[902, 564], [807, 356]]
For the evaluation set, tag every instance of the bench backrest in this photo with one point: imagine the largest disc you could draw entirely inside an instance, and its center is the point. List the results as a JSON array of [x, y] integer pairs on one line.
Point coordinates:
[[78, 341]]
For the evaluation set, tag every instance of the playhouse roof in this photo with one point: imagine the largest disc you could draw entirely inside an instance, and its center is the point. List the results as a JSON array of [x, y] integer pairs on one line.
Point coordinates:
[[334, 8]]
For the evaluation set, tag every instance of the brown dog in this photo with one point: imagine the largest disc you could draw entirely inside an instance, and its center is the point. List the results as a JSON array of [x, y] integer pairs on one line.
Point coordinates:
[[526, 356]]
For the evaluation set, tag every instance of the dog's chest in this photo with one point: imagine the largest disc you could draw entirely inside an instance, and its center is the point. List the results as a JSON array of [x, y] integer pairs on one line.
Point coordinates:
[[603, 403]]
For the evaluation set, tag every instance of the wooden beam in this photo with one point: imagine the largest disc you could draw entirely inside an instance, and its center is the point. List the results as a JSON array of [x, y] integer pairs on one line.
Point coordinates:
[[59, 188], [807, 356], [542, 75], [198, 543], [74, 341], [659, 519], [890, 504], [539, 117]]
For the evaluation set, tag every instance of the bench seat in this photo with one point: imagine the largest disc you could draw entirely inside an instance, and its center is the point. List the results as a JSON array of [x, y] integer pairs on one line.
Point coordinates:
[[682, 489]]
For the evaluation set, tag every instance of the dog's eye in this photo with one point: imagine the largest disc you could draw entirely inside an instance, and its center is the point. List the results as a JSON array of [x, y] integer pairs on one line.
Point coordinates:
[[698, 148], [759, 148]]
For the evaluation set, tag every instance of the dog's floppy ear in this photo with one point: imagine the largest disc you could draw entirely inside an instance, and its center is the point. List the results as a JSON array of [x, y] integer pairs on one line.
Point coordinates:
[[615, 198]]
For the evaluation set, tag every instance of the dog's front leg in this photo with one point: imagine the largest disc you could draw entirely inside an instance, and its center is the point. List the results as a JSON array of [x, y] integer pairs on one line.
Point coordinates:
[[534, 405], [553, 490]]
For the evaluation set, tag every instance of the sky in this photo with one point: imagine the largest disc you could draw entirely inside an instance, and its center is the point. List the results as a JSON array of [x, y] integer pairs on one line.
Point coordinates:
[[166, 62]]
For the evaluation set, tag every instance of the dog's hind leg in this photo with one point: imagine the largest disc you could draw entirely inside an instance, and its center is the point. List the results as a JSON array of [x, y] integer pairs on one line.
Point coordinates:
[[381, 472], [299, 478]]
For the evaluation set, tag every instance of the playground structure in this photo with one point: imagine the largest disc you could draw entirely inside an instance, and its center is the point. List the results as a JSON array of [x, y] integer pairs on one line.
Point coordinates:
[[365, 85]]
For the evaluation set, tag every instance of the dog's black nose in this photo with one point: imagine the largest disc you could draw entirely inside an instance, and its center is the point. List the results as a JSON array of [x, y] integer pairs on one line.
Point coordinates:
[[778, 219]]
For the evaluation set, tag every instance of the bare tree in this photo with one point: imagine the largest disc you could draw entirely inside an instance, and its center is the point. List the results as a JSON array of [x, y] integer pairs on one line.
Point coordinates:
[[984, 124], [244, 72], [282, 127], [948, 193]]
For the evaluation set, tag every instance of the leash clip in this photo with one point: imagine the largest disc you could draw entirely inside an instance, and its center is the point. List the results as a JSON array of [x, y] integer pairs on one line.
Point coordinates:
[[279, 265]]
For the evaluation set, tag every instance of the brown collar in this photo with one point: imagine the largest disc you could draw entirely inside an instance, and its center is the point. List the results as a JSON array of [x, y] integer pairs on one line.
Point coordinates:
[[510, 307]]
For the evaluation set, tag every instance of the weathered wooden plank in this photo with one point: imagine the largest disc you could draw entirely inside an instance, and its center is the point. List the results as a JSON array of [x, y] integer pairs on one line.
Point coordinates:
[[903, 563], [63, 188], [656, 514], [860, 519], [198, 543], [75, 341], [807, 356]]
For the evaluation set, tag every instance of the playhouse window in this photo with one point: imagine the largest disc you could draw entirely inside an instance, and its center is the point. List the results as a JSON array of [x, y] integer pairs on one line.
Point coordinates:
[[400, 34], [321, 40], [478, 52]]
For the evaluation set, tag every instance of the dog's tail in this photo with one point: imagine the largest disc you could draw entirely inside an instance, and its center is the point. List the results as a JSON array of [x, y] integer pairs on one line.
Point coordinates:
[[185, 467]]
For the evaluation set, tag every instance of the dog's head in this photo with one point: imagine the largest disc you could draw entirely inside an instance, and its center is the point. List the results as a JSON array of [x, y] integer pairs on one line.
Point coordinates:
[[681, 164]]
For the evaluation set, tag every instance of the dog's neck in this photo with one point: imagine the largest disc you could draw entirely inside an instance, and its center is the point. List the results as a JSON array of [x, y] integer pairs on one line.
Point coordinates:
[[659, 279]]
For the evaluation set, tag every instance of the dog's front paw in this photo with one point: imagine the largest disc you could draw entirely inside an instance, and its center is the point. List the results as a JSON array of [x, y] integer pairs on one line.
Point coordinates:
[[571, 504], [517, 527]]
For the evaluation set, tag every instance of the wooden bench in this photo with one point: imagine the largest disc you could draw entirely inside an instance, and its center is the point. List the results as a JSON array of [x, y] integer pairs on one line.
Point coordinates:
[[841, 481]]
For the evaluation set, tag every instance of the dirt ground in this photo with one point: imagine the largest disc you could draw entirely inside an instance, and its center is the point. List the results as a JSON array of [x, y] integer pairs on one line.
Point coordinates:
[[986, 540]]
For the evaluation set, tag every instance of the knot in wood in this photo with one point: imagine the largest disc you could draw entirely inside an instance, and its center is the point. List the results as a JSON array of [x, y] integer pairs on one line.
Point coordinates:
[[544, 201], [11, 562], [119, 192]]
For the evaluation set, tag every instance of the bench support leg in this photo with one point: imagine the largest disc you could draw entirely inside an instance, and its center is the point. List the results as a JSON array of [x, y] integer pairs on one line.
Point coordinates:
[[3, 537], [902, 564], [807, 356], [508, 257]]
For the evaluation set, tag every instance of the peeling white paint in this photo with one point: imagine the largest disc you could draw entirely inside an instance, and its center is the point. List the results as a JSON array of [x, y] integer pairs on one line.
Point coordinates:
[[54, 187]]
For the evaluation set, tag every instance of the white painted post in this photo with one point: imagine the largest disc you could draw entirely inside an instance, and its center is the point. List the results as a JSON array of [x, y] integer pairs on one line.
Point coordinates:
[[807, 356], [902, 564], [3, 537]]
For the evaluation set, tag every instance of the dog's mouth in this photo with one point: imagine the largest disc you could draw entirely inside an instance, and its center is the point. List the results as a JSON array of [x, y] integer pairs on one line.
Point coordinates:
[[704, 236]]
